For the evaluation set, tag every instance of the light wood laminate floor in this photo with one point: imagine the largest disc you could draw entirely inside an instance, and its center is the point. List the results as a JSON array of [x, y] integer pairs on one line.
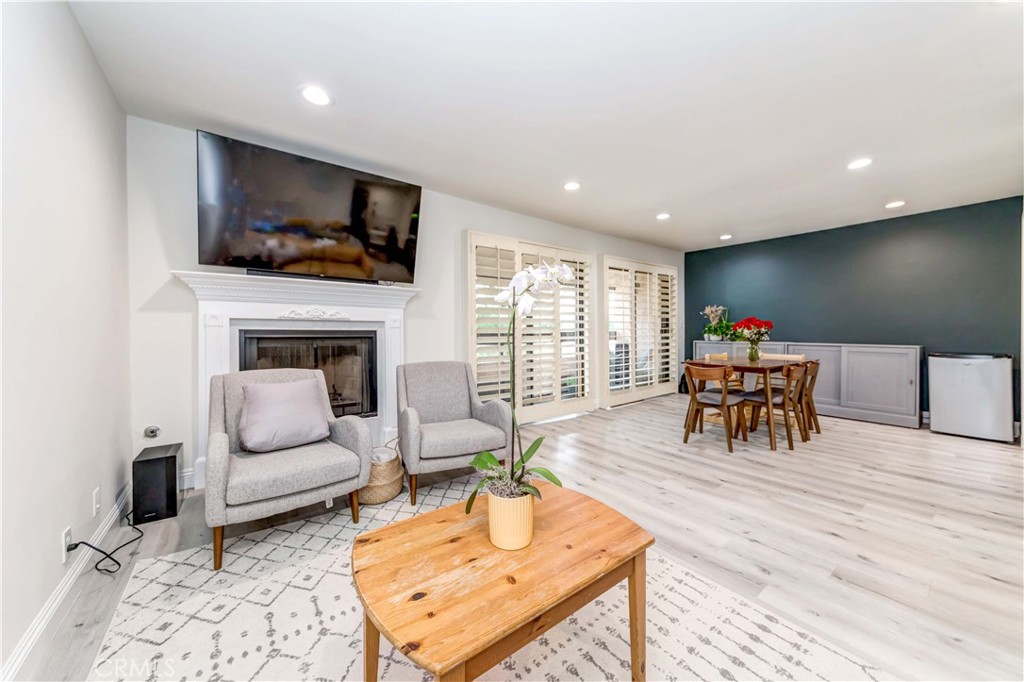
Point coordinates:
[[904, 546]]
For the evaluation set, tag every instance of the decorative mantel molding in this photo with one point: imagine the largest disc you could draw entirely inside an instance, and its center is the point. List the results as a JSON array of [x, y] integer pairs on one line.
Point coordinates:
[[229, 302], [314, 313], [223, 286]]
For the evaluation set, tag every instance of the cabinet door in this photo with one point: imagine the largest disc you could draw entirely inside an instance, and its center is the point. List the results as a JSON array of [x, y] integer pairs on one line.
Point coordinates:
[[826, 390], [879, 379]]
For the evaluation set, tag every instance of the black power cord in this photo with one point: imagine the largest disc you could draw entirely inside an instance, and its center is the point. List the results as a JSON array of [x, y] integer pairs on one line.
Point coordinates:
[[110, 555]]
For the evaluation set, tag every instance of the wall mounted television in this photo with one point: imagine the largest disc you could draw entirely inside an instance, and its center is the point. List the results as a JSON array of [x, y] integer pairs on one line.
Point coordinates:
[[270, 211]]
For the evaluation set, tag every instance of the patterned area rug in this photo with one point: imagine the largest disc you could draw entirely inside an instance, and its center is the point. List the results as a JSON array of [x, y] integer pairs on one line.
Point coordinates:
[[284, 608]]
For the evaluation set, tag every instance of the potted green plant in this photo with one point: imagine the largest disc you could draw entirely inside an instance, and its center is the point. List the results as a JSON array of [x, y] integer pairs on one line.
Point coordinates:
[[713, 329], [510, 491]]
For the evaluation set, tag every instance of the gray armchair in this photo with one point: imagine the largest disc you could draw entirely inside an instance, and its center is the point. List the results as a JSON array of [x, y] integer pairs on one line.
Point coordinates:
[[243, 486], [442, 424]]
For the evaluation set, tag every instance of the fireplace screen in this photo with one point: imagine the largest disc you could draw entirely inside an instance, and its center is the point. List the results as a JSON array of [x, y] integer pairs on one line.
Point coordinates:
[[348, 361]]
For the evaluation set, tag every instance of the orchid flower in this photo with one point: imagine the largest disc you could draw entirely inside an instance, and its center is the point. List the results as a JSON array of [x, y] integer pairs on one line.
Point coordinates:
[[541, 278]]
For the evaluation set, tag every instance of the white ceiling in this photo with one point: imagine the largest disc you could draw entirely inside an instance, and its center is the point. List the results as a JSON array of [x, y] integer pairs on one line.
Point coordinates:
[[735, 118]]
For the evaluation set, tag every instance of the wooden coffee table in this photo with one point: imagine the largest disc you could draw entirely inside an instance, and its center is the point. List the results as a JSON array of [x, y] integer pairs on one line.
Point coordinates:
[[457, 606]]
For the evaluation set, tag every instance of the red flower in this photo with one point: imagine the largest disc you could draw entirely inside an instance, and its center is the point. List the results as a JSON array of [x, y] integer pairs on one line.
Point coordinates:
[[753, 323]]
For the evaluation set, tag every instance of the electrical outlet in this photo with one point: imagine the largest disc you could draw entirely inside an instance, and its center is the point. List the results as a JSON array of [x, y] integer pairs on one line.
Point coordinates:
[[65, 540], [329, 502], [95, 502]]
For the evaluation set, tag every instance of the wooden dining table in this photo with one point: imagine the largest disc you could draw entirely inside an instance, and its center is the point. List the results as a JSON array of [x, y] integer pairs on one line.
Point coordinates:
[[743, 366]]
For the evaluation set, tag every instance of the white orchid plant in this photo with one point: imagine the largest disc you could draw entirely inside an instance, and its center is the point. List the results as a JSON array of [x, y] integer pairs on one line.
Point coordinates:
[[514, 480]]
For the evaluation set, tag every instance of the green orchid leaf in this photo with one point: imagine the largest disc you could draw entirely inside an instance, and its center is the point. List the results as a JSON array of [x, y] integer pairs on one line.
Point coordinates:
[[485, 461], [472, 498], [530, 489], [536, 445], [541, 471]]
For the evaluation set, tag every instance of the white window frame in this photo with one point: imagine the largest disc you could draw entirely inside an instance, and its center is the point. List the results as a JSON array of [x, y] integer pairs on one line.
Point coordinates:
[[610, 398], [558, 406]]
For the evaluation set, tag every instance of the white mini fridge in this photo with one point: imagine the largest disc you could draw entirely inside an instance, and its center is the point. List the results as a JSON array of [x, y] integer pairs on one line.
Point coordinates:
[[971, 395]]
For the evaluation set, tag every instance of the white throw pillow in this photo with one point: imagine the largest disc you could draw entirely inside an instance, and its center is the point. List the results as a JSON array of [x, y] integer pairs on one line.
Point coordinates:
[[281, 415]]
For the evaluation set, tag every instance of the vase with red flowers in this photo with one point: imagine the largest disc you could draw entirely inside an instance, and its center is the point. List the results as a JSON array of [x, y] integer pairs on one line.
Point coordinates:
[[754, 331]]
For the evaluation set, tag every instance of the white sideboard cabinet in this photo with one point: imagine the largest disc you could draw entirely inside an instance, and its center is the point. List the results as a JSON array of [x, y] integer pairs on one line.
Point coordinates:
[[875, 383]]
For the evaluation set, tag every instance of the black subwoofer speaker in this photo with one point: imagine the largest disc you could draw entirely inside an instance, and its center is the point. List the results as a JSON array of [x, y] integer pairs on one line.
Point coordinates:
[[156, 491]]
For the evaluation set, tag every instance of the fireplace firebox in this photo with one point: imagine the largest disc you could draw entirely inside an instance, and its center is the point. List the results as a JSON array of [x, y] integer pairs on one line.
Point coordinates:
[[348, 360]]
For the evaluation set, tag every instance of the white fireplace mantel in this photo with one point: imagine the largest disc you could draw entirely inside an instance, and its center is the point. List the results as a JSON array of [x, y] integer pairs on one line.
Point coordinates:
[[229, 302]]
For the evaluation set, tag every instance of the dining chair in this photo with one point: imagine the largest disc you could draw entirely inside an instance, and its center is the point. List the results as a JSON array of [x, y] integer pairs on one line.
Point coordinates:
[[789, 398], [697, 378], [735, 382], [810, 411], [778, 382]]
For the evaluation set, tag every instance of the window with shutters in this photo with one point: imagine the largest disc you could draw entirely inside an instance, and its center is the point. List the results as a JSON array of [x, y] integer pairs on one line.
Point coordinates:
[[552, 343], [642, 330]]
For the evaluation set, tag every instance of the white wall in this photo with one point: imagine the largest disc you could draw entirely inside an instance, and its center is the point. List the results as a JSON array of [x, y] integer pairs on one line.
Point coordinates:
[[162, 225], [65, 302]]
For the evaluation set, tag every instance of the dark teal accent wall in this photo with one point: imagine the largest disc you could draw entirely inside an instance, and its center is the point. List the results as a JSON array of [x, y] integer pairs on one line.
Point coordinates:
[[947, 280]]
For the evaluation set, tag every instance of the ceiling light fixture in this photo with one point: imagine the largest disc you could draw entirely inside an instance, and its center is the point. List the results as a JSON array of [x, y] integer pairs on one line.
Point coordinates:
[[314, 94], [725, 237], [571, 186], [895, 204], [859, 163], [663, 216]]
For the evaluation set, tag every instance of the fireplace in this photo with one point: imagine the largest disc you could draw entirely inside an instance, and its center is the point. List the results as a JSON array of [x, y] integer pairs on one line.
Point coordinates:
[[348, 360]]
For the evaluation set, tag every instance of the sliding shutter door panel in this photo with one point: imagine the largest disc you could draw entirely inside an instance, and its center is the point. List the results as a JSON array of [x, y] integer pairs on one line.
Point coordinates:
[[552, 343], [668, 349], [642, 330], [538, 348], [620, 329], [493, 268], [573, 331]]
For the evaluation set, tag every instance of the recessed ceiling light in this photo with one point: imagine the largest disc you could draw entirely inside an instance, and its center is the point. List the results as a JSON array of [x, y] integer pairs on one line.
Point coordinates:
[[314, 94], [663, 216], [725, 237], [571, 186], [895, 204], [859, 163]]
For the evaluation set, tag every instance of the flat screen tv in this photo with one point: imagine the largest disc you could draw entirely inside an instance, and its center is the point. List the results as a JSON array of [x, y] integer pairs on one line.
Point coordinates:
[[271, 211]]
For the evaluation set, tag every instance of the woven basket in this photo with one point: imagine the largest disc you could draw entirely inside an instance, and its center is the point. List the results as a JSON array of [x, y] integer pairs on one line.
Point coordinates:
[[385, 482]]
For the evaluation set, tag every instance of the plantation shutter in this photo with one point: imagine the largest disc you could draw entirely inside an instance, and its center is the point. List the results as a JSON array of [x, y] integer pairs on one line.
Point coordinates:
[[538, 342], [620, 328], [552, 343], [642, 330], [574, 330], [493, 267]]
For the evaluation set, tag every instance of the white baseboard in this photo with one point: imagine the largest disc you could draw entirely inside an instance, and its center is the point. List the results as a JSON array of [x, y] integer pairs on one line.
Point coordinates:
[[188, 479], [35, 629]]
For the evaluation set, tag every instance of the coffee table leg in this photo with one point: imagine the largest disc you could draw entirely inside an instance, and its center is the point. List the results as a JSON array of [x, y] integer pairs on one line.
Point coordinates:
[[371, 649], [638, 617], [456, 674]]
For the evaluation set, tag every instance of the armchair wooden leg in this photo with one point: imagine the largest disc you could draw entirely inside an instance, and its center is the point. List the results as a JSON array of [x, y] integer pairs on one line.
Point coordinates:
[[412, 489], [353, 503], [218, 546]]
